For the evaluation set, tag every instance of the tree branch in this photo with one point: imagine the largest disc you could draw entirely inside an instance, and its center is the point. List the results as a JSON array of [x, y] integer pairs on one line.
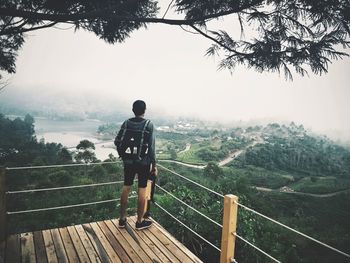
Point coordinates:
[[166, 11], [216, 41], [23, 30], [103, 14]]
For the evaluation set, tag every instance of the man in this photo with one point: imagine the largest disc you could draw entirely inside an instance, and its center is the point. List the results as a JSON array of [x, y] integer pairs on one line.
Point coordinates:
[[136, 147]]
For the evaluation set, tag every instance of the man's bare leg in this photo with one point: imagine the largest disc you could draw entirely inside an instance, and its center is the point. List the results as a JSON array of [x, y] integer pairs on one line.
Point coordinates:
[[124, 201], [141, 204]]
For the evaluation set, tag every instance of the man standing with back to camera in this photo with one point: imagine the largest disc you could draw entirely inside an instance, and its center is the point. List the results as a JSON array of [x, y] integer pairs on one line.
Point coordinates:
[[136, 147]]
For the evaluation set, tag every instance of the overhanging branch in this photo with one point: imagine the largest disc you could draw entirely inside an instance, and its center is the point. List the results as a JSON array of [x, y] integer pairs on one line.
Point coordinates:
[[23, 30], [217, 42], [102, 14]]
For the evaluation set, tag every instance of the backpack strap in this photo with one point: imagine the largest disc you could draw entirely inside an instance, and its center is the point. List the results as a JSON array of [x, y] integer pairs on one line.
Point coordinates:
[[142, 137], [124, 131]]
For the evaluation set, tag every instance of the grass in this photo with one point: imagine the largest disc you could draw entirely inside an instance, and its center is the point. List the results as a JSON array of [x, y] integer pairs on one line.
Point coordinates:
[[190, 155], [258, 176], [320, 185]]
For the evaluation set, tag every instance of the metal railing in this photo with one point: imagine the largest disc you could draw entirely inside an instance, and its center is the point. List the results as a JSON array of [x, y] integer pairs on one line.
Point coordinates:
[[228, 228], [233, 218]]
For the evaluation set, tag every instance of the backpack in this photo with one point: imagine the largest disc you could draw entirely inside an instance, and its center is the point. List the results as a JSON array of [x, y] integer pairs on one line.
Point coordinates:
[[131, 147]]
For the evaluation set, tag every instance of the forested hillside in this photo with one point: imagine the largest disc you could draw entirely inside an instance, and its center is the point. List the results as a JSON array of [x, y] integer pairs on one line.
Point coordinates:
[[293, 149]]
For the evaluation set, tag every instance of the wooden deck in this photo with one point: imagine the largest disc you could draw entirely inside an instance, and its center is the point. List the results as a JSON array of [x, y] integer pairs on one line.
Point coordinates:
[[95, 242]]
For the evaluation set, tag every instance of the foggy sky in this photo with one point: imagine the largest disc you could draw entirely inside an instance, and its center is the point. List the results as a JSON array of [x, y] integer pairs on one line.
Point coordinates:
[[167, 68]]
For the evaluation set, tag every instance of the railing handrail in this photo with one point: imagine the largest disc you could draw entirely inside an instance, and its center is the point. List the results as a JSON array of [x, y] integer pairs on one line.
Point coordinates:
[[64, 206], [63, 187], [59, 165], [189, 180]]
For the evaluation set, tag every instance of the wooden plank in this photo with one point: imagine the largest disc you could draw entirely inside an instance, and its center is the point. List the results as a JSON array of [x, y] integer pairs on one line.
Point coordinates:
[[143, 237], [39, 247], [96, 243], [113, 256], [59, 246], [181, 246], [27, 248], [132, 248], [178, 253], [93, 255], [13, 249], [68, 245], [49, 247], [159, 244], [2, 251], [114, 243], [229, 228], [79, 248], [141, 249]]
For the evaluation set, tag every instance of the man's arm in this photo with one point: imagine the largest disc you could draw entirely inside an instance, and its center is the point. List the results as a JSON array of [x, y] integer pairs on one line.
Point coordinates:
[[119, 136]]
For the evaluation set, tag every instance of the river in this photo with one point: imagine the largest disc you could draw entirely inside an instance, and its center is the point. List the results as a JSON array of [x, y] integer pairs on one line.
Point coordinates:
[[70, 133]]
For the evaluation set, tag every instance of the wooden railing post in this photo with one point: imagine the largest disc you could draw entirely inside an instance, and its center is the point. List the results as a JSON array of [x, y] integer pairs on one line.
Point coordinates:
[[229, 228], [148, 194], [3, 225]]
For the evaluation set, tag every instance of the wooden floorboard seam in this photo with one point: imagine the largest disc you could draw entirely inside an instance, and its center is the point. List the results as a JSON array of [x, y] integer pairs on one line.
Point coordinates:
[[79, 248], [160, 246], [140, 247], [176, 250], [152, 247], [90, 250], [181, 246], [133, 251]]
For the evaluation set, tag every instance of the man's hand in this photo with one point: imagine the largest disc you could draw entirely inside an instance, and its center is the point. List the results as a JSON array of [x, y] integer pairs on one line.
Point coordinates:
[[154, 171]]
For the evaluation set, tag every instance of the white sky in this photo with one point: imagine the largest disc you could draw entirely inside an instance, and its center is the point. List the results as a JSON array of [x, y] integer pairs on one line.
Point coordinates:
[[167, 68]]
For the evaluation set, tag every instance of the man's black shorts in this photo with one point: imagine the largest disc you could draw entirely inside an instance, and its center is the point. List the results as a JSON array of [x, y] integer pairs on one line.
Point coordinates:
[[142, 171]]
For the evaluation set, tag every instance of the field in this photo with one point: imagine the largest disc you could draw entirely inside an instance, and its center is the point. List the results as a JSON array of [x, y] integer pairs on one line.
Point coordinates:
[[320, 185]]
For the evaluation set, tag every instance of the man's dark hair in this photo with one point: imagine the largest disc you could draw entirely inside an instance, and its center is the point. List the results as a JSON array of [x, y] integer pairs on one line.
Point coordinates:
[[139, 107]]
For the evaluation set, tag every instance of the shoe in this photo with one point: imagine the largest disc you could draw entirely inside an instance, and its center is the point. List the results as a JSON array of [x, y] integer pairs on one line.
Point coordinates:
[[143, 225], [122, 223]]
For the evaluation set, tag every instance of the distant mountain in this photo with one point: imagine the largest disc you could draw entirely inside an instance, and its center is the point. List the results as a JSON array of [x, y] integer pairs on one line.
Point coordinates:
[[62, 106]]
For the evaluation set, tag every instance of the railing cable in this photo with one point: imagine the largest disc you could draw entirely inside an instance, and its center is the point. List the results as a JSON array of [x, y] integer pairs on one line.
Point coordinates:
[[64, 207], [255, 247], [63, 187], [188, 228], [59, 165], [189, 180], [182, 202], [293, 230]]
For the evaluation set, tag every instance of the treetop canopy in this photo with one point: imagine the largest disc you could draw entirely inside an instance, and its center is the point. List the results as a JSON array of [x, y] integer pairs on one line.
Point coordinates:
[[299, 35]]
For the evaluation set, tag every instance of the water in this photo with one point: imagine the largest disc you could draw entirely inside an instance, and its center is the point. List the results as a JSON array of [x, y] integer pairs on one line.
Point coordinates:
[[70, 133]]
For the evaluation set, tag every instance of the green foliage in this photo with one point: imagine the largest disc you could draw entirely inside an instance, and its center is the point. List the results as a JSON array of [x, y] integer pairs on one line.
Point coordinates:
[[212, 170], [314, 216], [108, 128], [85, 152], [63, 176], [85, 145], [283, 34], [301, 154], [320, 185], [19, 146], [173, 154], [85, 156]]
